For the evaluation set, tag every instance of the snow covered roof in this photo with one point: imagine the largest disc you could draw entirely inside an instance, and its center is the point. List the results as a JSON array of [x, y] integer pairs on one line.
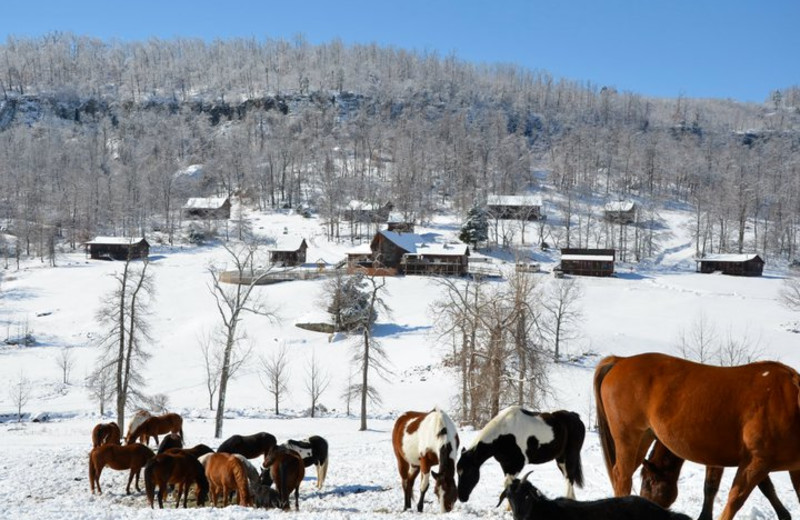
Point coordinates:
[[513, 200], [124, 241], [360, 205], [363, 249], [599, 258], [737, 258], [405, 241], [205, 202], [439, 249], [620, 205], [288, 243]]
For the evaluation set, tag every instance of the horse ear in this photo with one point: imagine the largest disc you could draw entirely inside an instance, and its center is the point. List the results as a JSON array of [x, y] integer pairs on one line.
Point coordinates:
[[503, 496], [463, 450], [650, 467]]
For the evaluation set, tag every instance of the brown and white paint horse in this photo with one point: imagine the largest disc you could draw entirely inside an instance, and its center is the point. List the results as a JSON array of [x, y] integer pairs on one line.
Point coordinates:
[[422, 440]]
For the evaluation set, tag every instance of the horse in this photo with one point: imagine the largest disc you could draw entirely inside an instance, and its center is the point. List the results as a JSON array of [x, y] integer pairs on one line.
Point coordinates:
[[313, 450], [251, 446], [226, 474], [660, 471], [178, 469], [157, 425], [422, 440], [746, 416], [195, 451], [131, 456], [286, 470], [528, 503], [105, 433], [138, 418], [516, 436], [171, 440]]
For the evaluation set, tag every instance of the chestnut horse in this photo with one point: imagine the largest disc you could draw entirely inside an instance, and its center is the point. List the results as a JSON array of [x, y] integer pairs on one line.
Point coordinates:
[[286, 470], [131, 456], [105, 433], [157, 425], [226, 474], [138, 418], [251, 446], [179, 469], [746, 416], [422, 440], [660, 471]]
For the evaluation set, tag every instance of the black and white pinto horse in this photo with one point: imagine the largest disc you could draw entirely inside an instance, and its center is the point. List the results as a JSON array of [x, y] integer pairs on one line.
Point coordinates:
[[517, 436], [313, 450], [422, 440]]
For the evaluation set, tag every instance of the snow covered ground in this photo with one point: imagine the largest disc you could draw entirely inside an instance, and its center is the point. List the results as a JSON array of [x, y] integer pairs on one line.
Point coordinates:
[[44, 472]]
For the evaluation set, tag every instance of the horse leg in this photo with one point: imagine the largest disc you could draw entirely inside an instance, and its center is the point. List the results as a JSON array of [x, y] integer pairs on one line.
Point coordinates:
[[405, 470], [795, 476], [130, 479], [297, 498], [747, 476], [409, 482], [570, 492], [710, 489], [424, 483], [162, 494], [768, 490], [632, 448]]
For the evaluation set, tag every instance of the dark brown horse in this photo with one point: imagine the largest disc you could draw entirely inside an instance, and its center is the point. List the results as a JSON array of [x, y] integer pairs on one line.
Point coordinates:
[[131, 456], [226, 473], [157, 425], [251, 446], [195, 451], [747, 416], [286, 470], [422, 440], [178, 469], [660, 472], [105, 433], [171, 440]]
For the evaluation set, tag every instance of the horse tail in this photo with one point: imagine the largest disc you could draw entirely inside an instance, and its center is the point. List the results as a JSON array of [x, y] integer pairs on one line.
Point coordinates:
[[202, 483], [242, 483], [576, 433], [149, 481], [283, 482], [606, 440], [320, 445]]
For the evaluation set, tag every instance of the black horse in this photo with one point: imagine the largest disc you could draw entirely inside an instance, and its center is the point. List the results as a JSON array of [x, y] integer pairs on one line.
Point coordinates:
[[171, 440], [517, 436], [313, 450], [250, 446]]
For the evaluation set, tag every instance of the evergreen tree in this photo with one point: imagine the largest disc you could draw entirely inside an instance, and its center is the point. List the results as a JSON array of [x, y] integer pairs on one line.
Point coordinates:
[[476, 228]]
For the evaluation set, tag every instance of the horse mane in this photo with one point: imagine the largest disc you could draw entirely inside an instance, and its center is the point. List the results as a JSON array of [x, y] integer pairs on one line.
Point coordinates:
[[606, 441], [490, 427]]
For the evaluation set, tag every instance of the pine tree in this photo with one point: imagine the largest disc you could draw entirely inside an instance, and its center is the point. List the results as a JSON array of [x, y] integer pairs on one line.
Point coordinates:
[[476, 228]]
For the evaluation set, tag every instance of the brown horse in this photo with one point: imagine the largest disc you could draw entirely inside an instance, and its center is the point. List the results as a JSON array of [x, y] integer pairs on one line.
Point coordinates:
[[179, 469], [226, 474], [157, 425], [286, 470], [660, 472], [105, 433], [251, 446], [422, 440], [747, 416], [131, 456], [138, 418], [195, 451]]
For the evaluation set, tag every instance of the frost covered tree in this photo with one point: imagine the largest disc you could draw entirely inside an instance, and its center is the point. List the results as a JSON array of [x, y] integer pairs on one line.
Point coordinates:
[[476, 228], [349, 302]]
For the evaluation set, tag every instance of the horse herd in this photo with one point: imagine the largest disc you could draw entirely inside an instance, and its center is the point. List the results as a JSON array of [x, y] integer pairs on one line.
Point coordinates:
[[747, 417], [219, 474]]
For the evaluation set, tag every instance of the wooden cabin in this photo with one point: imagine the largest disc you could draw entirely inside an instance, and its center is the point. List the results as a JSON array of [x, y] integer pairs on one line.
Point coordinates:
[[288, 252], [733, 264], [117, 248], [210, 208], [620, 212], [514, 207], [587, 262], [390, 252], [398, 223]]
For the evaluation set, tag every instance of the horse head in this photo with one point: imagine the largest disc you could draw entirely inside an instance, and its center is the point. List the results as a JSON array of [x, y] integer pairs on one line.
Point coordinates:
[[469, 472], [659, 485]]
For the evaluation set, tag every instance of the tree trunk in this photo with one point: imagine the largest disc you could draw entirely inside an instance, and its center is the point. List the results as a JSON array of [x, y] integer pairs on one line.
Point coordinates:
[[364, 374]]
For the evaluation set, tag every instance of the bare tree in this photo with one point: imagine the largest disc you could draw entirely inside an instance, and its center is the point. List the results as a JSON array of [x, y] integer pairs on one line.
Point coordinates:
[[317, 381], [66, 362], [699, 342], [790, 293], [561, 313], [232, 302], [100, 384], [20, 392], [350, 391], [212, 363], [275, 375], [125, 312]]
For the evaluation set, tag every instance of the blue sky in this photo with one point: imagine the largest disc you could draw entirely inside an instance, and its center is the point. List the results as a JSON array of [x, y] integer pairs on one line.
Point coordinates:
[[734, 49]]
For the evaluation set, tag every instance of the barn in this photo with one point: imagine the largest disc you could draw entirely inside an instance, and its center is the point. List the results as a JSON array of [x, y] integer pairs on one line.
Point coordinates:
[[514, 207], [620, 211], [289, 251], [733, 264], [587, 262], [210, 208], [117, 248]]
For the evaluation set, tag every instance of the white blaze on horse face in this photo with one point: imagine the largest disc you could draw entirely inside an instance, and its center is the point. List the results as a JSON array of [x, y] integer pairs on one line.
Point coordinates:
[[522, 425]]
